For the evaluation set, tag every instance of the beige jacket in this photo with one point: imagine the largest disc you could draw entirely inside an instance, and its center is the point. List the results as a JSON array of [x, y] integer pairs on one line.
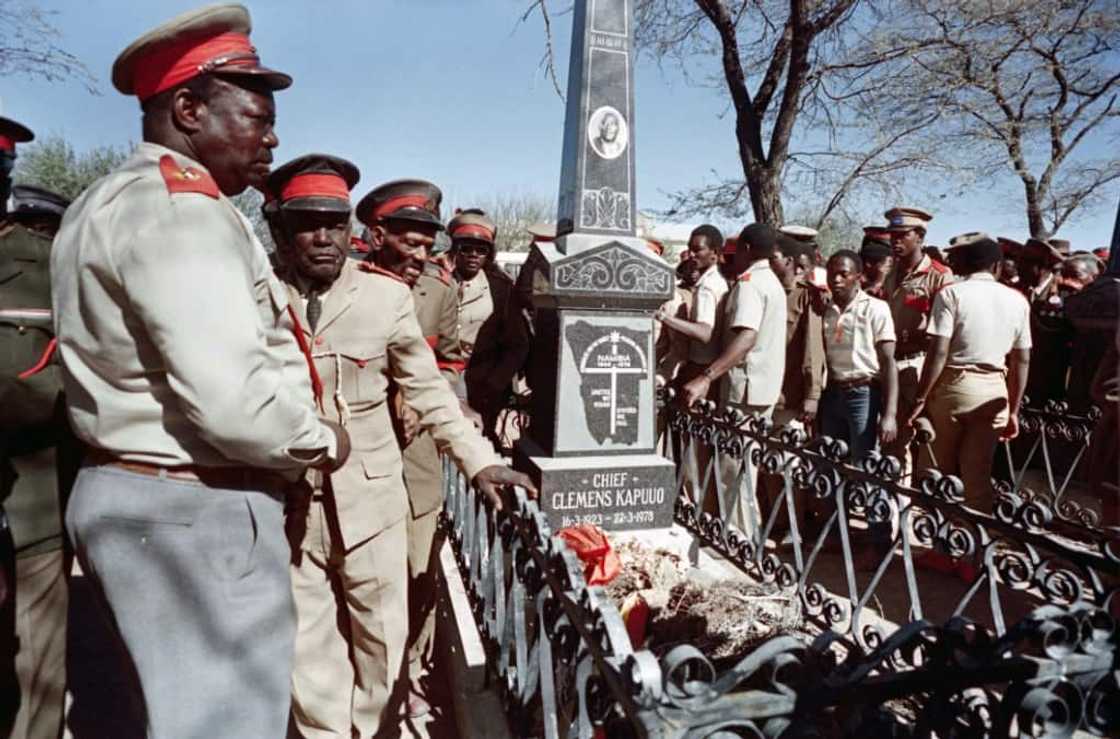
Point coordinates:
[[367, 337], [174, 334]]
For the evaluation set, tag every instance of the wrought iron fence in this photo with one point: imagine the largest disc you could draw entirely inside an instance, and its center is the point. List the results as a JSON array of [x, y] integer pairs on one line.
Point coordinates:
[[1027, 645], [1053, 441]]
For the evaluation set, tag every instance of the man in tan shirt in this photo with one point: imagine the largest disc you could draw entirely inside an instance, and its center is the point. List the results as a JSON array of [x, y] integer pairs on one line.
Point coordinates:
[[973, 381], [909, 289], [350, 528], [184, 378]]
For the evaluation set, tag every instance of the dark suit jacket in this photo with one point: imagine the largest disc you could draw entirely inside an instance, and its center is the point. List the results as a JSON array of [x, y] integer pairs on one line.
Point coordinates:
[[500, 350]]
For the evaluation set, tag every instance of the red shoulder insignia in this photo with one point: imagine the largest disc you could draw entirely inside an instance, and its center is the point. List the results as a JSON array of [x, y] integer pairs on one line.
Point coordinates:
[[373, 269], [939, 267], [186, 179], [745, 277]]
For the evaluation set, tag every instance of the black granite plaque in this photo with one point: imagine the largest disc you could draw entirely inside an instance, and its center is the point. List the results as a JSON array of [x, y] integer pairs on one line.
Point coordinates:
[[635, 493], [612, 363]]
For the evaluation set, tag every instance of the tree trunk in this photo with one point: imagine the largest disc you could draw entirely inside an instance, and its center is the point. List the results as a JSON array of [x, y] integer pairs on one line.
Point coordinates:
[[1035, 221], [765, 188]]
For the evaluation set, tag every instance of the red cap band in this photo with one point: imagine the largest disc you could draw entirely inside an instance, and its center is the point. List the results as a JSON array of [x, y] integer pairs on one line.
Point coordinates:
[[315, 186], [392, 205], [176, 63], [472, 231], [6, 144]]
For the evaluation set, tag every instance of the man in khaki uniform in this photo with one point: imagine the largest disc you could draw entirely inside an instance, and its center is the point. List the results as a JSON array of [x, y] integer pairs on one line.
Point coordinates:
[[351, 531], [753, 358], [403, 219], [909, 289], [976, 324], [183, 376]]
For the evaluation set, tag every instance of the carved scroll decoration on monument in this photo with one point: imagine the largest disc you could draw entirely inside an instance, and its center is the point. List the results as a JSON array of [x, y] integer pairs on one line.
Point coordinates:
[[614, 269]]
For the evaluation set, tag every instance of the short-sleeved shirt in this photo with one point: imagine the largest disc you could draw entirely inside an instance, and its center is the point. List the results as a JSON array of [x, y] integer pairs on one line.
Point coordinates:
[[983, 320], [851, 335], [758, 302], [706, 298], [911, 298]]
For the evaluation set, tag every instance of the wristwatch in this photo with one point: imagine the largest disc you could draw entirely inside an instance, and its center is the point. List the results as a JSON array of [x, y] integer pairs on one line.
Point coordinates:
[[708, 373]]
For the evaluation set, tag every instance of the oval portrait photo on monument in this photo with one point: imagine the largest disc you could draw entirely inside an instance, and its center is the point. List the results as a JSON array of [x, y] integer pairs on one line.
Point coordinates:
[[608, 133]]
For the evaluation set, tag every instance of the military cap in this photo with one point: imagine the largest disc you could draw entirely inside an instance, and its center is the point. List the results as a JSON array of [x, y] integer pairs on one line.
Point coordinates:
[[1038, 250], [472, 224], [36, 202], [406, 200], [874, 246], [730, 245], [1010, 247], [804, 234], [317, 182], [1061, 246], [655, 246], [1101, 253], [876, 243], [904, 218], [975, 248], [543, 232], [12, 133], [214, 39]]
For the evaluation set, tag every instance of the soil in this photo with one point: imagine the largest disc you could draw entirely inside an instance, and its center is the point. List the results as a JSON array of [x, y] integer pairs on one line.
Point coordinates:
[[724, 618]]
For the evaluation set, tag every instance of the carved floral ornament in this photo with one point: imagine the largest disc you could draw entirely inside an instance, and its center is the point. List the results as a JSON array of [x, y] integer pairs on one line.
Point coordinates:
[[614, 269]]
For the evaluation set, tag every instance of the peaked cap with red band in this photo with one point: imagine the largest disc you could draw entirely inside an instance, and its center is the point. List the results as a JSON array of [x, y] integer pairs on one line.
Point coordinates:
[[12, 133], [317, 182], [405, 200], [214, 39], [542, 233], [474, 225]]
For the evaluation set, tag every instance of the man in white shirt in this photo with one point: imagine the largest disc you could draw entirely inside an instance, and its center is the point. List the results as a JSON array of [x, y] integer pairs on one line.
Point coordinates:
[[705, 246], [753, 357], [861, 399], [969, 388]]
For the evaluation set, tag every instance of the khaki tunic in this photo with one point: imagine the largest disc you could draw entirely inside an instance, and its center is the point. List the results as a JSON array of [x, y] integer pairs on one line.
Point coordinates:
[[911, 297], [437, 312], [177, 349], [368, 338]]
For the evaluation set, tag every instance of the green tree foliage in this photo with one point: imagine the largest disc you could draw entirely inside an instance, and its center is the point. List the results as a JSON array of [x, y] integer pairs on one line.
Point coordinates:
[[53, 163]]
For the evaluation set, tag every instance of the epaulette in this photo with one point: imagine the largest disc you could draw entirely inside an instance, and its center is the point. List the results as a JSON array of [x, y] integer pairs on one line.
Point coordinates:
[[745, 277], [186, 179], [939, 267], [373, 269], [440, 274]]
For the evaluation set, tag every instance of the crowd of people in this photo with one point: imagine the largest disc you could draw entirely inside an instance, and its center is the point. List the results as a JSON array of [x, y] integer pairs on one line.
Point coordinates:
[[241, 452], [869, 344], [244, 447]]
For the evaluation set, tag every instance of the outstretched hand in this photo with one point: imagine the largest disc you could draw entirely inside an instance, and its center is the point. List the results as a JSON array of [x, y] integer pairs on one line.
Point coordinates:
[[491, 480]]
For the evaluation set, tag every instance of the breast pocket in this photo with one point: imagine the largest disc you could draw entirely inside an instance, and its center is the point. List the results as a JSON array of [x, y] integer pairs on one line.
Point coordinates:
[[362, 372]]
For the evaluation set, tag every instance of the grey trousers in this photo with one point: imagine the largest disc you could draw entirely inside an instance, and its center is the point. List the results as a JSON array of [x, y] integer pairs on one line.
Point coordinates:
[[196, 581]]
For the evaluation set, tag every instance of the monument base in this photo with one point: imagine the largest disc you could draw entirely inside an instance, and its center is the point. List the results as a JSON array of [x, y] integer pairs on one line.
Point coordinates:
[[616, 493]]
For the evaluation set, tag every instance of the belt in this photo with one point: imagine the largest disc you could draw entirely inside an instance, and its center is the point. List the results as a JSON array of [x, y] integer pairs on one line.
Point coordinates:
[[226, 478], [853, 383]]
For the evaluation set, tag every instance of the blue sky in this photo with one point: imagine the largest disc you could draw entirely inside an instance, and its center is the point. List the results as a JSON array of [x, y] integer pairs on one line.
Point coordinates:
[[446, 90]]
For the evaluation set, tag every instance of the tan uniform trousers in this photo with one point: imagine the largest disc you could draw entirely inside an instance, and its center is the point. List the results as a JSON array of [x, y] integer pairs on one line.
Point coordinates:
[[352, 614], [424, 477], [909, 374], [739, 483], [41, 660], [968, 410]]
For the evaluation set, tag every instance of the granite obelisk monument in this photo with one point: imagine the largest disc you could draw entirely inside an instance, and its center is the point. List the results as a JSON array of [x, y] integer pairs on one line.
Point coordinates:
[[591, 446]]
